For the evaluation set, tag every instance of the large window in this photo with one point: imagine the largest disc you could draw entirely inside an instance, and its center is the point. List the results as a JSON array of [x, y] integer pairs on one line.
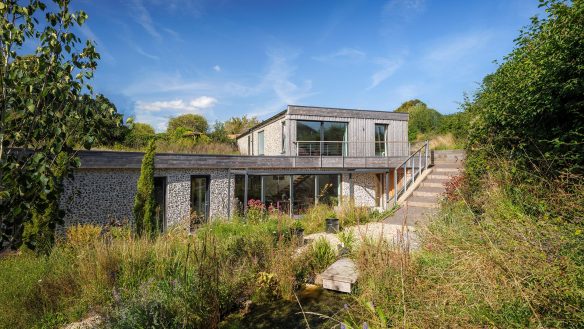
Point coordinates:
[[328, 189], [304, 192], [261, 143], [317, 138], [274, 191], [277, 192], [380, 139]]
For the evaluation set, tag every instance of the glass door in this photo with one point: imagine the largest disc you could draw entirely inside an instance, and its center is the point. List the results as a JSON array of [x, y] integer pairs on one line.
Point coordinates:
[[199, 199]]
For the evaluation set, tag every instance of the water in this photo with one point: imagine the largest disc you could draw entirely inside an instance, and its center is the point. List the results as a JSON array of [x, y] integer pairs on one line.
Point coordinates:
[[287, 314]]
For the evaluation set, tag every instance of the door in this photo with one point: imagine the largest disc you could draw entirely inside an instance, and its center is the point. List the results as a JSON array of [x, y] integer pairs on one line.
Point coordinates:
[[199, 199], [160, 202]]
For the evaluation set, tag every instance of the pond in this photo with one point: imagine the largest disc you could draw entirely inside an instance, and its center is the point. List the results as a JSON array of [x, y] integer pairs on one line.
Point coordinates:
[[288, 314]]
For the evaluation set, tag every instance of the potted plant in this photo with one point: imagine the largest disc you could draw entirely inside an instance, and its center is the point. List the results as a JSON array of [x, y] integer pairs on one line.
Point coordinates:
[[297, 230], [332, 225]]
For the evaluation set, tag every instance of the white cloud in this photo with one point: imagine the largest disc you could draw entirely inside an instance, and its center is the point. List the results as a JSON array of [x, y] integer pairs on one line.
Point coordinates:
[[217, 68], [343, 54], [458, 47], [388, 68], [159, 112], [140, 51], [277, 84], [142, 17]]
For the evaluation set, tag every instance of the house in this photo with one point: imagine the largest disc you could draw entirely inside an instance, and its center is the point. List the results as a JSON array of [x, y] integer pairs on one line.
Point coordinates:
[[300, 157]]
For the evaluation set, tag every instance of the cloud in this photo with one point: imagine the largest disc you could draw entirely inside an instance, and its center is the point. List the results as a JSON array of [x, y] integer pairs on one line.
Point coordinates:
[[139, 50], [277, 83], [141, 15], [159, 112], [217, 68], [342, 55], [388, 68], [457, 47], [160, 83]]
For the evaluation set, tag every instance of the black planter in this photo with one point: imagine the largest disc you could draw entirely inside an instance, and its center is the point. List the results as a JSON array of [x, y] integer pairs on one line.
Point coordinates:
[[299, 234], [332, 225]]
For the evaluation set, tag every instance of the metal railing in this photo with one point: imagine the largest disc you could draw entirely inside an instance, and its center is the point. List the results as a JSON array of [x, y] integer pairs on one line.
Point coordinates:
[[352, 149], [410, 170]]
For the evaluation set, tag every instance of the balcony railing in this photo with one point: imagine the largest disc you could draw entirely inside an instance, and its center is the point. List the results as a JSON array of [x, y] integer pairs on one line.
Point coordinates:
[[352, 149]]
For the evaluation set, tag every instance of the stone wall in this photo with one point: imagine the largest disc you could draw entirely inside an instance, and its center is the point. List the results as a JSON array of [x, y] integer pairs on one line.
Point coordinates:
[[272, 139], [363, 189], [98, 196]]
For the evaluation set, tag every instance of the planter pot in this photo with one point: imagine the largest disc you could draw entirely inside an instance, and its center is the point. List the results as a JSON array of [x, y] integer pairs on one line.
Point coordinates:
[[332, 225], [299, 234]]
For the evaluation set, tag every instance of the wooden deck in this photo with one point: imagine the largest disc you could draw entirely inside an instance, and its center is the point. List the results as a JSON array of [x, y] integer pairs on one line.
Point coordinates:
[[112, 159]]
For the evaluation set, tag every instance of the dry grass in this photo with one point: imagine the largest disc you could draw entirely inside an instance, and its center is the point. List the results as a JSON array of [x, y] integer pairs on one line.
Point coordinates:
[[501, 269]]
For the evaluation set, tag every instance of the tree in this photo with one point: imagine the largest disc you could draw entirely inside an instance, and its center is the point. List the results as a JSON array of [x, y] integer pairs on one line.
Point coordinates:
[[47, 109], [139, 134], [422, 118], [238, 125], [532, 108], [144, 216], [190, 123]]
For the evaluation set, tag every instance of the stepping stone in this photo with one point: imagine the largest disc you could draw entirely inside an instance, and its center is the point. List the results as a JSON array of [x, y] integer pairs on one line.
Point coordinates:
[[340, 276]]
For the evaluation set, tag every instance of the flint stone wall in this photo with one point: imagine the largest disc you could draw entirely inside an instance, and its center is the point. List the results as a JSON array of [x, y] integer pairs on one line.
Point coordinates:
[[98, 196]]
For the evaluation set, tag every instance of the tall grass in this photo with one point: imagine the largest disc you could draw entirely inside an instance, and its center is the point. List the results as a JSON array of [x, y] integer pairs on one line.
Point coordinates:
[[175, 280], [498, 263]]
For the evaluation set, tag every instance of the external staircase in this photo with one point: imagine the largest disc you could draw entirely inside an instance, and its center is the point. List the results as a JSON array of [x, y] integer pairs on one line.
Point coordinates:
[[423, 197]]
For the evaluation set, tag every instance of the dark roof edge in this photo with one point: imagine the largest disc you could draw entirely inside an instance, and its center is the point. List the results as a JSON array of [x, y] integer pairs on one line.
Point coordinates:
[[340, 108], [263, 123]]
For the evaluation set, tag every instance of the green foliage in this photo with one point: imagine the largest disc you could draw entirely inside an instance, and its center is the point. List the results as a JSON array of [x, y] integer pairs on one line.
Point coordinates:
[[139, 135], [45, 114], [532, 108], [323, 255], [239, 125], [192, 123], [423, 120], [144, 215], [173, 280]]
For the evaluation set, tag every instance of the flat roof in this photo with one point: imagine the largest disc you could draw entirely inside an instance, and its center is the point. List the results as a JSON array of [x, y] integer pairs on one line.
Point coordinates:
[[133, 160]]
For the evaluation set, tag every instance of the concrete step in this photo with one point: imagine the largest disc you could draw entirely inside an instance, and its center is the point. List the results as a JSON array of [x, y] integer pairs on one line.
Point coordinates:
[[433, 182], [340, 276], [439, 177], [442, 164], [446, 170], [422, 201], [429, 191]]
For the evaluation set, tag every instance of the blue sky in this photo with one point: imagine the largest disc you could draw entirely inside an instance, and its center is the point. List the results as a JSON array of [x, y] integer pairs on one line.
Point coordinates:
[[224, 58]]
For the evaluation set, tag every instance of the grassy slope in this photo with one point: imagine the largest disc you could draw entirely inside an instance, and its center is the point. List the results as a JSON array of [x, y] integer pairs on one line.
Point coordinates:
[[500, 267]]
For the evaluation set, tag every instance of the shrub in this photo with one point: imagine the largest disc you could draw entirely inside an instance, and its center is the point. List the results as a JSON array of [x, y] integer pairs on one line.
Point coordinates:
[[323, 255], [144, 216], [83, 235]]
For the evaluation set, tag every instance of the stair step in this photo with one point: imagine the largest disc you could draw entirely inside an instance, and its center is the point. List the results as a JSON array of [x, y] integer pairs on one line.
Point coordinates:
[[429, 194], [433, 183], [439, 177], [423, 204], [429, 191], [446, 170]]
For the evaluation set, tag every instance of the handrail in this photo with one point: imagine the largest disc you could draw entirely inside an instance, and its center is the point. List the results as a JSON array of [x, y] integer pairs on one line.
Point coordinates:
[[413, 174], [351, 148]]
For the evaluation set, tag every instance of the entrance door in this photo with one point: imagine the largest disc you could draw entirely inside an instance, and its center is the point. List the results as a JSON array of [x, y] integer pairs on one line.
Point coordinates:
[[199, 199], [160, 202]]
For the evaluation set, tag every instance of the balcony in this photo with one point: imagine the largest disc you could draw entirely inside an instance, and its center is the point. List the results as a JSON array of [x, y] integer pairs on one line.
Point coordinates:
[[351, 149]]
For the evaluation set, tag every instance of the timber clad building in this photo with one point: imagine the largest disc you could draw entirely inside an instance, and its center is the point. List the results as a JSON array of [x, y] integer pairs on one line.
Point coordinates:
[[299, 157]]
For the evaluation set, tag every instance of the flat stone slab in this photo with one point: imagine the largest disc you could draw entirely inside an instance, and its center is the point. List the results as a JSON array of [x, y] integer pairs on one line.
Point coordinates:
[[340, 276]]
